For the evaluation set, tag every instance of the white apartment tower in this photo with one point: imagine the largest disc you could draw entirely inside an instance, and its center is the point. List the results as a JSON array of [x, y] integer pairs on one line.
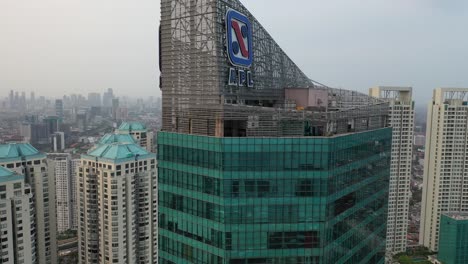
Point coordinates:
[[401, 118], [445, 185], [63, 167], [117, 188], [75, 163], [24, 159], [17, 232]]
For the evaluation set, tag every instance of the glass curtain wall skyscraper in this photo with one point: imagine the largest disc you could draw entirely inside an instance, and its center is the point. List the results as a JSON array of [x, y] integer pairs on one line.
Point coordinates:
[[453, 239], [256, 162]]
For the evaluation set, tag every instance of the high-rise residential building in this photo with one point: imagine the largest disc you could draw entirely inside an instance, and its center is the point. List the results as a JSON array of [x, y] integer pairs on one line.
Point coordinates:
[[115, 108], [82, 120], [107, 98], [11, 99], [402, 121], [59, 108], [257, 163], [22, 103], [39, 133], [94, 100], [17, 100], [17, 232], [75, 163], [25, 131], [28, 161], [57, 141], [139, 132], [117, 189], [63, 167], [53, 124], [445, 184], [453, 243], [32, 101], [36, 132]]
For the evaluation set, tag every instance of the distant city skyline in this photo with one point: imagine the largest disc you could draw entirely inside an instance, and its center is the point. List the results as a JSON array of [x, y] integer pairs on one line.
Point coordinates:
[[37, 96], [87, 46]]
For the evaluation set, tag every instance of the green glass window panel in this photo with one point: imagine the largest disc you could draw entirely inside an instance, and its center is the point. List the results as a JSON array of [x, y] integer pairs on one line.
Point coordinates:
[[230, 200]]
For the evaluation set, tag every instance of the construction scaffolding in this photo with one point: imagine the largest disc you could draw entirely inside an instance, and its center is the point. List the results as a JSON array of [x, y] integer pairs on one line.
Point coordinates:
[[197, 98]]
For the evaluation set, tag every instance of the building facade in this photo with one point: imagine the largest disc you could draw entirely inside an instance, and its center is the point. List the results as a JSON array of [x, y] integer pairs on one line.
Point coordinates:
[[273, 200], [117, 188], [57, 141], [28, 161], [94, 100], [257, 163], [63, 167], [419, 140], [52, 124], [445, 185], [59, 108], [17, 219], [401, 119], [107, 98], [453, 242]]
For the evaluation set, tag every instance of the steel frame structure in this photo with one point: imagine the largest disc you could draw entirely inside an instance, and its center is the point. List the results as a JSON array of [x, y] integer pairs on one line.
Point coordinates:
[[194, 81]]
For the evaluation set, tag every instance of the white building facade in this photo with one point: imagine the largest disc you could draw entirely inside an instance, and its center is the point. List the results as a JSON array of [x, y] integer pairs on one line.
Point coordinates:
[[117, 189], [63, 167], [17, 232], [445, 185], [401, 119], [24, 159], [75, 163]]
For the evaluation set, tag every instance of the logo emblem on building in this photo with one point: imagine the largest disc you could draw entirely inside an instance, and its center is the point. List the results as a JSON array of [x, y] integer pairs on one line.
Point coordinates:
[[239, 39]]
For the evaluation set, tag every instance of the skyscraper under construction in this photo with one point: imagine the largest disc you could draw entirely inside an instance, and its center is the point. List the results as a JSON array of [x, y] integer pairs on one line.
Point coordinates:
[[257, 163]]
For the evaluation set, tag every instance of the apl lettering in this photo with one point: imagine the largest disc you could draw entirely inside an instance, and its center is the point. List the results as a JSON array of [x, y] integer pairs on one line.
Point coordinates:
[[239, 77]]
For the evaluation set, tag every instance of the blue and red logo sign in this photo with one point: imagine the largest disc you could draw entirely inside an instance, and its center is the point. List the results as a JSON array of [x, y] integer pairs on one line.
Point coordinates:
[[239, 39]]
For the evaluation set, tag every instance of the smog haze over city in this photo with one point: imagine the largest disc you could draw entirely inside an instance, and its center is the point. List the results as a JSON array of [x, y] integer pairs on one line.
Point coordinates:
[[252, 132], [59, 47]]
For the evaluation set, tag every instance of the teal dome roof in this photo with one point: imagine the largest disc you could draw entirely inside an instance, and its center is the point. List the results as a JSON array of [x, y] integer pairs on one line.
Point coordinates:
[[7, 175], [15, 151], [132, 126], [118, 152], [116, 138], [5, 172]]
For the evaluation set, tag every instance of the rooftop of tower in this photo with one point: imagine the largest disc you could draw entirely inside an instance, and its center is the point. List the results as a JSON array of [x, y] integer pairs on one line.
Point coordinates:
[[132, 126], [116, 138], [207, 90], [460, 216], [7, 175], [16, 151], [118, 152]]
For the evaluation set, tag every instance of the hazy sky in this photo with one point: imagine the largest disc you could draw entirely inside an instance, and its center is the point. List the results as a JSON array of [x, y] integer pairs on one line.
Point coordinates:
[[57, 47]]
